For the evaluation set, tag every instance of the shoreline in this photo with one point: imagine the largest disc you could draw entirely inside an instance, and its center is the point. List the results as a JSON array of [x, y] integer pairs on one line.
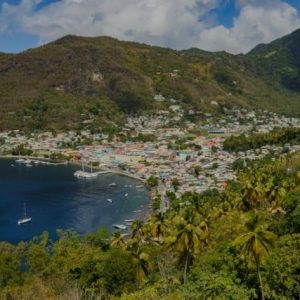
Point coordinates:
[[34, 158], [148, 210]]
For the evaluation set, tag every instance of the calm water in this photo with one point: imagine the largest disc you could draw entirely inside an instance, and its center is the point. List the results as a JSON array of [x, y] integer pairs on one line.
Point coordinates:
[[56, 199]]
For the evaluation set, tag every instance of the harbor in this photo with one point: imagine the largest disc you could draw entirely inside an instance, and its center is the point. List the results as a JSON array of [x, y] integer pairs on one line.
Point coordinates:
[[55, 199]]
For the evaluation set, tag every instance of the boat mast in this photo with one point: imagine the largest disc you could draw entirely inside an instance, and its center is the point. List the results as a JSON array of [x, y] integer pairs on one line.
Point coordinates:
[[24, 210]]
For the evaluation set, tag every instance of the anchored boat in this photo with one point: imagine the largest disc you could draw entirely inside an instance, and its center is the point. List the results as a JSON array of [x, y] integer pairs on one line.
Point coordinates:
[[25, 219]]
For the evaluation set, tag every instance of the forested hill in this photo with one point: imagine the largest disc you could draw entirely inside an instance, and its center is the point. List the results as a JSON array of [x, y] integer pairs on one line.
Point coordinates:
[[62, 84], [279, 62]]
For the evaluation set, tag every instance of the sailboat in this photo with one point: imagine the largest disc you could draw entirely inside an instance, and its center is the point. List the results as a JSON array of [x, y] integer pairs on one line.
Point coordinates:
[[25, 219], [20, 160], [83, 174]]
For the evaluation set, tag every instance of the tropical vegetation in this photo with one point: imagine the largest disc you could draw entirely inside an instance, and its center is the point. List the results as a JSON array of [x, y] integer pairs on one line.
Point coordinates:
[[279, 137]]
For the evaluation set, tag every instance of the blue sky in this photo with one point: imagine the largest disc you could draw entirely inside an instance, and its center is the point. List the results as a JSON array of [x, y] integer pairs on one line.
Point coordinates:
[[232, 25]]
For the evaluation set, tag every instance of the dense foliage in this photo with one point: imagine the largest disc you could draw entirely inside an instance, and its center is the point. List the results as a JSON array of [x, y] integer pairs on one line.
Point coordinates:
[[243, 243], [278, 137]]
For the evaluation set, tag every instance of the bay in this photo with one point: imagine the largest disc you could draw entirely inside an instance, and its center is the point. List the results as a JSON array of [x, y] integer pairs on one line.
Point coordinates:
[[55, 199]]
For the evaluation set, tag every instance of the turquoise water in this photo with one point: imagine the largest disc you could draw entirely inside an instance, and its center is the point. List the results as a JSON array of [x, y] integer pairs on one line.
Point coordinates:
[[56, 199]]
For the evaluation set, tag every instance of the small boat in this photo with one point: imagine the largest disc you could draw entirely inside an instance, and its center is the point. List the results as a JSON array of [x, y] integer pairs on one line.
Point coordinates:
[[129, 220], [112, 184], [28, 165], [137, 211], [139, 186], [12, 165], [109, 200], [126, 195], [120, 226], [25, 219]]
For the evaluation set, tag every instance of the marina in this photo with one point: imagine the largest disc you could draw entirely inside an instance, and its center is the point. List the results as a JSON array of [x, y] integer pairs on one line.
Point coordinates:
[[55, 199]]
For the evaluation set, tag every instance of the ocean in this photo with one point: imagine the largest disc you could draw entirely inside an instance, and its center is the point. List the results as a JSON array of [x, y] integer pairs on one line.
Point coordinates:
[[55, 199]]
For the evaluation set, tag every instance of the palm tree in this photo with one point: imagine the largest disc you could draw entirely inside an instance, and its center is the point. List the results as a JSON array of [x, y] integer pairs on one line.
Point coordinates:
[[140, 259], [118, 240], [254, 193], [137, 230], [191, 233], [255, 244], [157, 226]]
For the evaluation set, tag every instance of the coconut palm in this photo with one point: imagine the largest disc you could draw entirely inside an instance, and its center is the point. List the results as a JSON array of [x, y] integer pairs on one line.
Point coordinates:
[[140, 259], [157, 226], [190, 234], [118, 240], [137, 230], [255, 244]]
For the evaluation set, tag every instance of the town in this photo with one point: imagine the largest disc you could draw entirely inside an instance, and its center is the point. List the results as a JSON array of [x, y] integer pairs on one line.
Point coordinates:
[[154, 148]]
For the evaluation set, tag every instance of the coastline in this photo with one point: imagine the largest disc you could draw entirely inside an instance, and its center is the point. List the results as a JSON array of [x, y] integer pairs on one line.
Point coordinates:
[[34, 158], [148, 212]]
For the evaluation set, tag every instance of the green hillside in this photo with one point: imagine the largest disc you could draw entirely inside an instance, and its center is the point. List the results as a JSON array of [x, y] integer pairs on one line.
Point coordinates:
[[76, 81], [279, 62]]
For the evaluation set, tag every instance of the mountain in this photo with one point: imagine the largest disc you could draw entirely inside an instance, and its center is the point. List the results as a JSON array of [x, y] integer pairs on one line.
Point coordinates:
[[279, 61], [78, 82]]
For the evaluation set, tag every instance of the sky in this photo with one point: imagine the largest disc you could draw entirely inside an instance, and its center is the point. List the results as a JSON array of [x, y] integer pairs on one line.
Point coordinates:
[[235, 26]]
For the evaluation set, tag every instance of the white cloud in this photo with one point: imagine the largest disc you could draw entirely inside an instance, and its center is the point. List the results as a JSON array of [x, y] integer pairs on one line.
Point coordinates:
[[172, 23], [255, 24]]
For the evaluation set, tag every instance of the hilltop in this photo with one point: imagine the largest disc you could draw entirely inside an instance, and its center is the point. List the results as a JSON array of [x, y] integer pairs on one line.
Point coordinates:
[[76, 82]]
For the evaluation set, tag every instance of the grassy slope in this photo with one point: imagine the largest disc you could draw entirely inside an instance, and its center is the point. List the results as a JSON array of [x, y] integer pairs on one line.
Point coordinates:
[[61, 84]]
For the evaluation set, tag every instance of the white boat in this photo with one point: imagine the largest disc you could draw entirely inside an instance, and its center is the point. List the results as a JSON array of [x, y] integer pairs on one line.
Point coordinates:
[[25, 219], [20, 160], [129, 220], [126, 195], [120, 226], [28, 165], [83, 174], [109, 200], [137, 211], [112, 184]]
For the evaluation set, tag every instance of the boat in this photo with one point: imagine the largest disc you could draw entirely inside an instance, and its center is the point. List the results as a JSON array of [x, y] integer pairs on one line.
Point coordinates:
[[112, 184], [139, 186], [12, 165], [109, 200], [126, 195], [83, 174], [137, 211], [120, 226], [25, 219], [20, 160], [129, 220]]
